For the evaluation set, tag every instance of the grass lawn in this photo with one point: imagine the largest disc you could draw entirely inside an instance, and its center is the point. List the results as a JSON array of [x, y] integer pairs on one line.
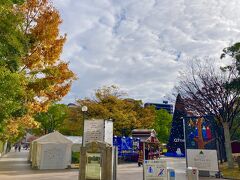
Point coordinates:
[[230, 173]]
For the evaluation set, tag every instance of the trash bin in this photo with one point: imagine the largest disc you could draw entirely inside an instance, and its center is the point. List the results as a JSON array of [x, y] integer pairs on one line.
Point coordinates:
[[192, 173], [171, 173]]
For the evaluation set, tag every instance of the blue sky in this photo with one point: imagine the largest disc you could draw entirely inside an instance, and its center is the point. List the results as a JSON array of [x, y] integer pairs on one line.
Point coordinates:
[[140, 45]]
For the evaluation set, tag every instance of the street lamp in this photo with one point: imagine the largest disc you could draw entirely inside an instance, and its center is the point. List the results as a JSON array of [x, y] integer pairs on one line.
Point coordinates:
[[84, 110], [185, 140]]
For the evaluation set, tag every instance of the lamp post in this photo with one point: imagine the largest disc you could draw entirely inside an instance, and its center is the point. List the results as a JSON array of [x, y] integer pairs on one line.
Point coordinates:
[[185, 140], [84, 110]]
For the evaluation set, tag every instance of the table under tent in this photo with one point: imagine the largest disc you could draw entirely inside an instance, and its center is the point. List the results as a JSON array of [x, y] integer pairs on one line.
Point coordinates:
[[51, 151]]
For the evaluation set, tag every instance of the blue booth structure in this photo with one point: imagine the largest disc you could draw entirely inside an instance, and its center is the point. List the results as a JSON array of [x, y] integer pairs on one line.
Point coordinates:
[[144, 140], [128, 147]]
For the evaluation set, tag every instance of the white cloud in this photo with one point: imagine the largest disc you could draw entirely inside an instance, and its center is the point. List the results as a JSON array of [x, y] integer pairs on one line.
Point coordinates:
[[141, 45]]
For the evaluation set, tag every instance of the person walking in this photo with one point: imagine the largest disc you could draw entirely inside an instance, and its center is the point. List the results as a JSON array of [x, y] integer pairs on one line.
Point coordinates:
[[140, 158], [19, 147], [16, 147]]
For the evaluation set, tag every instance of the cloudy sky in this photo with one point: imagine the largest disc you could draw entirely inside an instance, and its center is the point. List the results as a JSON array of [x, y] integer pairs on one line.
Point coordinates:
[[140, 45]]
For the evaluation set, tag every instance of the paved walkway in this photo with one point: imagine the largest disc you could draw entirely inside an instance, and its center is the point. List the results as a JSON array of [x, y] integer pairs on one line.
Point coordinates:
[[14, 166]]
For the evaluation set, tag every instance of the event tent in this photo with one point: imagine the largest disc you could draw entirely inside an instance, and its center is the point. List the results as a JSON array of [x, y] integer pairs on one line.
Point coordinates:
[[77, 142], [52, 151]]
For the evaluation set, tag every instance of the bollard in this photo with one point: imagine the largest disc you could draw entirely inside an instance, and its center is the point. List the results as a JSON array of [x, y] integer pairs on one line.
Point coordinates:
[[171, 174], [115, 162], [192, 173], [238, 161]]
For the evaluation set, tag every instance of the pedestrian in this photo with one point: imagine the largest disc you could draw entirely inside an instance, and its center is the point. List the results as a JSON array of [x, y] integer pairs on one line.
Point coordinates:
[[16, 147], [140, 158], [19, 147]]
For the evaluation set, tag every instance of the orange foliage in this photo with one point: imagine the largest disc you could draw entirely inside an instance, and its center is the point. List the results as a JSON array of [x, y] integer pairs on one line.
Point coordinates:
[[127, 113], [49, 77], [14, 126]]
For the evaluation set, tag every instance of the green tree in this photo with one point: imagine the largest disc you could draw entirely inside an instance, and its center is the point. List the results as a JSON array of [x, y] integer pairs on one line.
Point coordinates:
[[53, 118], [234, 52], [11, 94], [162, 125], [13, 42], [12, 48], [235, 130]]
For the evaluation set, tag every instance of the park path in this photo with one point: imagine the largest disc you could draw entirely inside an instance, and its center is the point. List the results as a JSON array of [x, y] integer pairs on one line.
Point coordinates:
[[14, 166]]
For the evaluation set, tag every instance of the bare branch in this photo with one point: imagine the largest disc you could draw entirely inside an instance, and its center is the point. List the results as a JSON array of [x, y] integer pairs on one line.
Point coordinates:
[[203, 88]]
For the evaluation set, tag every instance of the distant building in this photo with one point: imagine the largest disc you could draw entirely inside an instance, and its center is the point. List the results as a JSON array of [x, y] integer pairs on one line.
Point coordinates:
[[164, 105], [72, 105]]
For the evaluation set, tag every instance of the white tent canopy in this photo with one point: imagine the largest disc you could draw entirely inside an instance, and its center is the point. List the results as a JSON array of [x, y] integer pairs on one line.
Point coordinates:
[[77, 142], [52, 151]]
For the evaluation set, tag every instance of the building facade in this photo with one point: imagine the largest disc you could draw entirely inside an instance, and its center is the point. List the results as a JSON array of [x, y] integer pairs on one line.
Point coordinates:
[[164, 105]]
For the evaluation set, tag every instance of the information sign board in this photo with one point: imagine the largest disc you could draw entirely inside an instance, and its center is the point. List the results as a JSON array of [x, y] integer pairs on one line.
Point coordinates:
[[93, 130], [98, 130], [155, 170], [93, 166], [205, 160]]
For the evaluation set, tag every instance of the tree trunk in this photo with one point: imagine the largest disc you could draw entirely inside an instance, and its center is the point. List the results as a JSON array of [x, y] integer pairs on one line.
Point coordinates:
[[228, 146]]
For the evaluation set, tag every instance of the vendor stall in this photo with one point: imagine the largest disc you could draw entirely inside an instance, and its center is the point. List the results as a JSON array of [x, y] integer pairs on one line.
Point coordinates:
[[149, 145], [52, 151]]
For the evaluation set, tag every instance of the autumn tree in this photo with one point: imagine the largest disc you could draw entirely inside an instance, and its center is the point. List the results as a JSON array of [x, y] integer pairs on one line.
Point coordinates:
[[13, 45], [145, 115], [109, 103], [30, 48], [204, 92], [49, 78], [72, 124]]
